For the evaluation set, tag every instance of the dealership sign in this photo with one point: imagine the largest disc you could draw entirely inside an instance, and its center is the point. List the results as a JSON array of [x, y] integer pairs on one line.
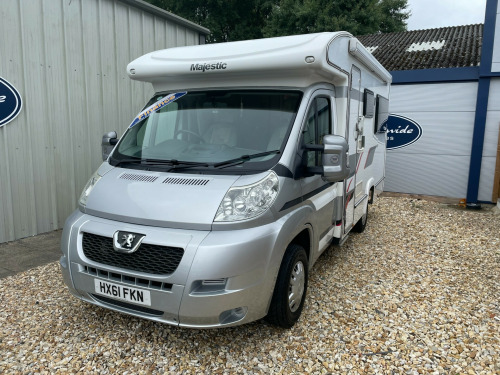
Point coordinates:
[[10, 102], [402, 132]]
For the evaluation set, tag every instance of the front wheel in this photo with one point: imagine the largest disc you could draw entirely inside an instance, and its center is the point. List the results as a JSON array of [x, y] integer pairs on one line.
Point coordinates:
[[290, 289]]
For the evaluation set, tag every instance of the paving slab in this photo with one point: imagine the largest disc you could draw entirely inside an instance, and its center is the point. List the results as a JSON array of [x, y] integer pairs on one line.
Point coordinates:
[[24, 254]]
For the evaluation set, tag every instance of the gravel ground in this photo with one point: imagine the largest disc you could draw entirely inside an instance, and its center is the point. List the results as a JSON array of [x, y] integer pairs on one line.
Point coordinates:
[[417, 292]]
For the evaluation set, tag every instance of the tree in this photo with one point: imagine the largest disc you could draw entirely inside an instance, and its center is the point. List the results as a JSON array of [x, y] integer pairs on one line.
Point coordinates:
[[359, 17], [230, 20]]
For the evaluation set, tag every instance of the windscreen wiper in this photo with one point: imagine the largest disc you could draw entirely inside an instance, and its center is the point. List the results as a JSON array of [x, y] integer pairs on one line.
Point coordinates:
[[179, 164], [154, 162], [243, 159]]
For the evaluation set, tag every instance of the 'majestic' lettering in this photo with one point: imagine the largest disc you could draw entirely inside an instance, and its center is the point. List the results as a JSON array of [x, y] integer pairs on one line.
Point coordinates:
[[205, 67]]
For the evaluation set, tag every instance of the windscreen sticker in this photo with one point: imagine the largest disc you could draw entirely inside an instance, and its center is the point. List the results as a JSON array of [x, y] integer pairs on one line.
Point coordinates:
[[166, 100]]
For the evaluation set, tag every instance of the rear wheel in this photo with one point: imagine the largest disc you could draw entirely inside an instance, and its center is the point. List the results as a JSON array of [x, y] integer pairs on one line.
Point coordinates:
[[290, 289], [361, 224]]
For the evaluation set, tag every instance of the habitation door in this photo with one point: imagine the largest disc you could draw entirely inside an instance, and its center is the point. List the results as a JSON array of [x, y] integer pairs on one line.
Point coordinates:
[[352, 134]]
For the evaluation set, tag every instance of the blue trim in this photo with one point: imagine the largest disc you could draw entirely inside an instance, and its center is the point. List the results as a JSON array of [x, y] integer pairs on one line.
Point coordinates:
[[483, 91], [435, 75], [476, 156]]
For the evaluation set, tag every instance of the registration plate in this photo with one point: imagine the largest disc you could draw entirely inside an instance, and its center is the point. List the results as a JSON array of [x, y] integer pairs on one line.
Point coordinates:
[[122, 293]]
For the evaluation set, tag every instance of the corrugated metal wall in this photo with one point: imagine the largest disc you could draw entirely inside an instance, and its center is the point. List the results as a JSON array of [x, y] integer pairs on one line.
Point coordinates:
[[67, 58], [438, 163]]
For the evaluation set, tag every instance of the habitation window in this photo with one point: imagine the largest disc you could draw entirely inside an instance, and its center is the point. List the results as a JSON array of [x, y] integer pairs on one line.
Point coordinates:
[[368, 104], [381, 114], [318, 124]]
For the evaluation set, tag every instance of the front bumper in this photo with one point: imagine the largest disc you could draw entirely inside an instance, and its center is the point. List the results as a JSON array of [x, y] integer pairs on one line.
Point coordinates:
[[224, 278]]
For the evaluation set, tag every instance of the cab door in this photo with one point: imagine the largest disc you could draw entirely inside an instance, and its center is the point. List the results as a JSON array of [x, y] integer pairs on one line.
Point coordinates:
[[321, 194]]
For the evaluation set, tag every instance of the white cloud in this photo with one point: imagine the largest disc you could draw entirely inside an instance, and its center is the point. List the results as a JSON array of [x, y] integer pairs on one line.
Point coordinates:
[[428, 14]]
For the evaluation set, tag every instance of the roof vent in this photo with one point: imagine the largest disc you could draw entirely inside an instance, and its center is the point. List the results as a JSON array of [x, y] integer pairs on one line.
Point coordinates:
[[186, 181], [426, 46], [138, 177]]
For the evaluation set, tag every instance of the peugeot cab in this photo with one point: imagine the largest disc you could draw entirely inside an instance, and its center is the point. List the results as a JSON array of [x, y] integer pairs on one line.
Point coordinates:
[[251, 159]]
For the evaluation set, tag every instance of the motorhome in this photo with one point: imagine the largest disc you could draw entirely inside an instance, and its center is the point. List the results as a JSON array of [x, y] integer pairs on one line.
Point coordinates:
[[250, 160]]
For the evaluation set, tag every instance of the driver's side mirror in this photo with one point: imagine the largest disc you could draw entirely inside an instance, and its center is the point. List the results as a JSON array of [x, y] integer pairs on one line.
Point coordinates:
[[109, 140], [334, 158]]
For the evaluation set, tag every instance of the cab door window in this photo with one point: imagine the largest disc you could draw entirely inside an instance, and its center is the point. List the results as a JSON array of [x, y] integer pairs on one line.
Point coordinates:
[[318, 124]]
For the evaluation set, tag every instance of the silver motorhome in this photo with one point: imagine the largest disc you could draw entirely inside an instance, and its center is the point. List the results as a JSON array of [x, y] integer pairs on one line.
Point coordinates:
[[248, 162]]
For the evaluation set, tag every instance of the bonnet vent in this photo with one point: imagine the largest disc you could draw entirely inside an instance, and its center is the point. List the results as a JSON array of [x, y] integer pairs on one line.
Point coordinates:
[[139, 177], [186, 181]]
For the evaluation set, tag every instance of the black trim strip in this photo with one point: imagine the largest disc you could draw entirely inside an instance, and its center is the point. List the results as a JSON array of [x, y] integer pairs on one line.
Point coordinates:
[[378, 183], [291, 203], [361, 200], [305, 197], [128, 306], [282, 171]]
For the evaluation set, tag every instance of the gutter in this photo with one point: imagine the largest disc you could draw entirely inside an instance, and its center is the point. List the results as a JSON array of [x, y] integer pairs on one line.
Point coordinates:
[[166, 15]]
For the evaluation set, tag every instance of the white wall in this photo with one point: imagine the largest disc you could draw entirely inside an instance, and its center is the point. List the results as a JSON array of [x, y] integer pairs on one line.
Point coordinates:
[[68, 59]]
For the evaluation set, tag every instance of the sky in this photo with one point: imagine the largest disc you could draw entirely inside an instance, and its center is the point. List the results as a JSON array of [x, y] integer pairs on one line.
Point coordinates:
[[428, 14]]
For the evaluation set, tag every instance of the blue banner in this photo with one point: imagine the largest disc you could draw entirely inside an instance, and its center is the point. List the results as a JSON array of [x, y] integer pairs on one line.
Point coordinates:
[[402, 131], [166, 100]]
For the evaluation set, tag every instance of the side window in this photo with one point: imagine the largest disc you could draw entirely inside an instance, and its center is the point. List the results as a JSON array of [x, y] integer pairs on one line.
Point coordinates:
[[381, 114], [318, 124], [324, 118], [368, 104]]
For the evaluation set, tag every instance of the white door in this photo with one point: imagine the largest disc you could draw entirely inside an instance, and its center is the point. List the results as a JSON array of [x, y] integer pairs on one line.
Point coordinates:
[[352, 134]]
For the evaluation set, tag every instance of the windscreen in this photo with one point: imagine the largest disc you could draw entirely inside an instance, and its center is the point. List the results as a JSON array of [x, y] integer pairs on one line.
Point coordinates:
[[211, 127]]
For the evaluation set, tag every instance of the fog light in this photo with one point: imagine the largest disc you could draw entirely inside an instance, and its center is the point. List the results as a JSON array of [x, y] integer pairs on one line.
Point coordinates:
[[233, 315]]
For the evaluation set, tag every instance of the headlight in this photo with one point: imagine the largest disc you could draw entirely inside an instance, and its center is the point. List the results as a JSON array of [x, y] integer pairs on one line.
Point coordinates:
[[88, 188], [246, 202]]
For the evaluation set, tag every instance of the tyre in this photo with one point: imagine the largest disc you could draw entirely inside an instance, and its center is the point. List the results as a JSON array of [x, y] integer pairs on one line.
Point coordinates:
[[361, 224], [290, 289]]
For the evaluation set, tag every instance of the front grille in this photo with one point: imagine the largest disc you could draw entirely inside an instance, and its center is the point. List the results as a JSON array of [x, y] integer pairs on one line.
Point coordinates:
[[125, 279], [129, 306], [154, 259]]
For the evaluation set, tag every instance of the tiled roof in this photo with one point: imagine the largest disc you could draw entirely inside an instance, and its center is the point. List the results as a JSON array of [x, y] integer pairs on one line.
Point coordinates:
[[447, 47]]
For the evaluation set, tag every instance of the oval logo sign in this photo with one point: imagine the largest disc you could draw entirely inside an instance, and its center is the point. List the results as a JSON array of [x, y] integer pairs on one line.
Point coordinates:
[[401, 132], [10, 102]]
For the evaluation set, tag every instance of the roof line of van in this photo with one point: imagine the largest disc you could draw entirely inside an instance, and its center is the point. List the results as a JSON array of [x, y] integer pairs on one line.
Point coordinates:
[[166, 15]]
